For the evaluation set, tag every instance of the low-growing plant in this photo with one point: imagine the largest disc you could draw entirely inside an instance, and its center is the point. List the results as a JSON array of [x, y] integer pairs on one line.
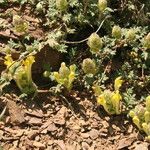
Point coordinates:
[[21, 72], [20, 25], [65, 76], [141, 117], [110, 100]]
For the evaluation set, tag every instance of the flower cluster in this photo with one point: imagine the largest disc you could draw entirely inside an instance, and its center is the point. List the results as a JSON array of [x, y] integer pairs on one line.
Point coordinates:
[[108, 99], [141, 117], [21, 73]]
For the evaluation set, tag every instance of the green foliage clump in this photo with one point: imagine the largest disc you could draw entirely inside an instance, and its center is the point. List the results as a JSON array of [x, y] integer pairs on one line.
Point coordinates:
[[65, 76]]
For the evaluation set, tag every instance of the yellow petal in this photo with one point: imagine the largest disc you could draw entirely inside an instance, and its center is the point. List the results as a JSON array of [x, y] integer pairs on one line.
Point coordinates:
[[118, 83], [136, 121], [116, 101], [8, 60]]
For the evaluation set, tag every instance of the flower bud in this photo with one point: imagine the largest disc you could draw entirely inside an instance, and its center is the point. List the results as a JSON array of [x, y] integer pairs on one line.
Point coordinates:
[[61, 5], [147, 116], [147, 41], [64, 71], [102, 5], [132, 113], [136, 121], [130, 35], [89, 66], [95, 42], [46, 74], [39, 7], [146, 128], [116, 32]]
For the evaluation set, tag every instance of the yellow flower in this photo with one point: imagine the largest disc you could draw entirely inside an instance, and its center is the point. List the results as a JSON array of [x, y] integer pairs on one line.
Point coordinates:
[[102, 101], [136, 121], [97, 90], [118, 83], [8, 60], [147, 116], [116, 98], [132, 113], [146, 128], [148, 103]]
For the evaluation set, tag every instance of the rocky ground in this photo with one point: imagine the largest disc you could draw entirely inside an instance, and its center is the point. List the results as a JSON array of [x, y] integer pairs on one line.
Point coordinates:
[[54, 123]]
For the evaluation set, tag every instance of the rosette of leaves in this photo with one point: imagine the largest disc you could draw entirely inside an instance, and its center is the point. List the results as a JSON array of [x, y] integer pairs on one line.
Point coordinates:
[[141, 117], [21, 73], [110, 100], [20, 25], [65, 76], [95, 43]]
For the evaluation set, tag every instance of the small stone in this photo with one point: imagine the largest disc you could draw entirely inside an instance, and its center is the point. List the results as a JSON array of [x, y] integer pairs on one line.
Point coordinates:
[[143, 146], [38, 144], [37, 138], [15, 112], [105, 124], [32, 134], [85, 146], [50, 142], [35, 121], [89, 141], [103, 132], [60, 121], [52, 127], [60, 116], [85, 135], [126, 142], [94, 134], [76, 127], [1, 133], [61, 144]]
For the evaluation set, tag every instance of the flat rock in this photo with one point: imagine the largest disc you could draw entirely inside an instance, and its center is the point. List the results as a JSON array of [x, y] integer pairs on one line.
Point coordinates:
[[52, 127], [35, 121], [85, 146], [15, 112], [59, 118], [126, 142], [94, 134], [143, 146], [61, 144]]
